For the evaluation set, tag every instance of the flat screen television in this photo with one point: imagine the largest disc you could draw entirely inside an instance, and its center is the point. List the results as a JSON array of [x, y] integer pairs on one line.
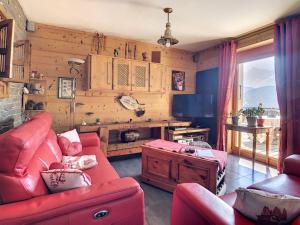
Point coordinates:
[[193, 106]]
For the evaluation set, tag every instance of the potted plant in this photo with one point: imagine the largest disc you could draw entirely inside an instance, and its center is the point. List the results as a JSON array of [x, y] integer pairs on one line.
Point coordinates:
[[260, 112], [251, 115], [235, 118]]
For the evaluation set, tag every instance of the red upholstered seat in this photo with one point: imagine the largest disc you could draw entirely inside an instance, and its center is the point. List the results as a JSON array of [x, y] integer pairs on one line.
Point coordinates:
[[31, 148], [194, 205], [107, 172], [281, 184]]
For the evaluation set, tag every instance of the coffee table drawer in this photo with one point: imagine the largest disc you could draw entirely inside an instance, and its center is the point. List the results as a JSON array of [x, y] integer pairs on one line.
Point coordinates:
[[191, 174], [158, 167]]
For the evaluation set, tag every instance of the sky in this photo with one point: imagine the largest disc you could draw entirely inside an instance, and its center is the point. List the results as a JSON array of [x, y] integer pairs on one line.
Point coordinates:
[[259, 73]]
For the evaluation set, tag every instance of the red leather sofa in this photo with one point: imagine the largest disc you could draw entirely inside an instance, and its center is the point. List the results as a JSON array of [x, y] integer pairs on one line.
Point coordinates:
[[24, 198], [194, 205]]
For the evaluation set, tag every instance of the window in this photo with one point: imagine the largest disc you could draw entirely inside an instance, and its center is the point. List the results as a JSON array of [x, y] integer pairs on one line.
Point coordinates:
[[256, 85]]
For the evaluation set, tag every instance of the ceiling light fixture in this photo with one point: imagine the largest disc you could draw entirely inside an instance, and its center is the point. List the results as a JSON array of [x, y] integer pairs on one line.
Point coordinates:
[[167, 40]]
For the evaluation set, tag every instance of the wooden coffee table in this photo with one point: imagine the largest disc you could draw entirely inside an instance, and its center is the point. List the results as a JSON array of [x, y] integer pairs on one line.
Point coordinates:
[[166, 168]]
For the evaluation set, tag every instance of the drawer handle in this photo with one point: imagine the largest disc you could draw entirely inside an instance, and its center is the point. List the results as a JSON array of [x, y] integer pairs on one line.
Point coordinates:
[[101, 214]]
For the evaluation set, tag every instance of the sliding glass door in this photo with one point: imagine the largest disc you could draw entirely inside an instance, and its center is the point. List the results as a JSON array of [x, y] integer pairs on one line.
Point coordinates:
[[256, 85]]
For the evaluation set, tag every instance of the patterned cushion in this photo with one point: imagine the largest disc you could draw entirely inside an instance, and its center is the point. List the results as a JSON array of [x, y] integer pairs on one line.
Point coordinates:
[[265, 207], [58, 180], [69, 143], [80, 162]]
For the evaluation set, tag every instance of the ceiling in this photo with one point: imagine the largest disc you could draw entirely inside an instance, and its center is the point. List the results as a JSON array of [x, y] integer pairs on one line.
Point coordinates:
[[197, 24]]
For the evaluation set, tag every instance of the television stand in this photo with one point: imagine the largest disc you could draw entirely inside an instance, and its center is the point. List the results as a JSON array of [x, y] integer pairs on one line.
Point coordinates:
[[110, 134], [189, 134]]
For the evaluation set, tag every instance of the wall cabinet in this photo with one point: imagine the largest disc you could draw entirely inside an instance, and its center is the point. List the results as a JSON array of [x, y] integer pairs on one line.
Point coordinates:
[[157, 78], [99, 72], [140, 76], [107, 73], [122, 74]]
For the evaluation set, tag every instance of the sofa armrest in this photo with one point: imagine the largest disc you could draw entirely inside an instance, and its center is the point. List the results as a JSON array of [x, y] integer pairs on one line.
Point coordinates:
[[89, 139], [291, 165], [121, 197], [195, 205]]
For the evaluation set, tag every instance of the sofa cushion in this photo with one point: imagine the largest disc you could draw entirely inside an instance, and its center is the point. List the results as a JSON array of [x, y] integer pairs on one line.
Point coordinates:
[[83, 162], [265, 207], [15, 188], [69, 143], [58, 180], [18, 145], [282, 184], [103, 171]]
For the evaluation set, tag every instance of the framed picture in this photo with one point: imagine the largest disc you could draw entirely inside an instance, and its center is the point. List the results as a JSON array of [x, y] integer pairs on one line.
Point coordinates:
[[178, 80], [66, 87]]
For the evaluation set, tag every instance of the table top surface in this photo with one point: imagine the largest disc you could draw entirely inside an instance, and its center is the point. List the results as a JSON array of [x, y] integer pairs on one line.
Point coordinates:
[[246, 126], [246, 129]]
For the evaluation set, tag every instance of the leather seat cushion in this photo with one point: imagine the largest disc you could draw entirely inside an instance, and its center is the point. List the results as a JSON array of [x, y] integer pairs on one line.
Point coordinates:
[[103, 172], [282, 184]]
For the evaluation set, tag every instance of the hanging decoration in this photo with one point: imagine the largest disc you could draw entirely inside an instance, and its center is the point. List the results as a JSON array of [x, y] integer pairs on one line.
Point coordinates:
[[99, 42], [131, 103]]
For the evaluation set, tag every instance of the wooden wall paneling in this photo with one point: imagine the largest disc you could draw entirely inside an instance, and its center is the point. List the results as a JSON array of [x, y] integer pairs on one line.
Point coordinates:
[[157, 77], [208, 59], [51, 48], [60, 46]]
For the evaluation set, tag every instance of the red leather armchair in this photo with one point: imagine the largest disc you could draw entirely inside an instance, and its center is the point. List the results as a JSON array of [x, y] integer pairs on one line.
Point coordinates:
[[32, 147], [194, 205]]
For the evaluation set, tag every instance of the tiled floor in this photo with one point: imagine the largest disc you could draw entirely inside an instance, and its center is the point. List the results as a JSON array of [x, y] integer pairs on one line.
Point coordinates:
[[158, 202], [239, 172]]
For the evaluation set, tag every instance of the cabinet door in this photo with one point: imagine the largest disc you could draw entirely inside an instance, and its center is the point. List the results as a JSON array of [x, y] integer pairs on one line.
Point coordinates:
[[140, 76], [157, 78], [122, 74], [100, 72]]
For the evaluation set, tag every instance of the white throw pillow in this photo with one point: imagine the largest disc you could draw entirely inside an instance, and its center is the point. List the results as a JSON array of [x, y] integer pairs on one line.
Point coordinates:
[[265, 207], [71, 135], [69, 142], [80, 162], [58, 180]]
